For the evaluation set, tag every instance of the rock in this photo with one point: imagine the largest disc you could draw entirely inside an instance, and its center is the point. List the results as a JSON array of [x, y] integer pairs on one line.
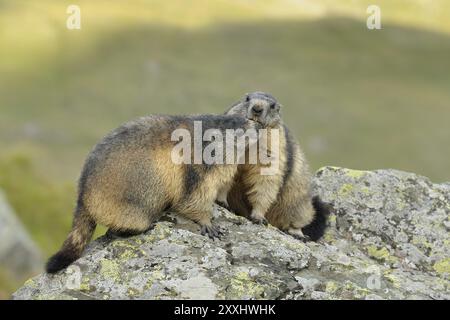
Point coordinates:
[[19, 256], [388, 239]]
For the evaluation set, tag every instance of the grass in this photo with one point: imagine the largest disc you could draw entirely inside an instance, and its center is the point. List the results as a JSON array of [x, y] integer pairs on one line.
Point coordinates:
[[45, 205], [355, 98], [7, 284]]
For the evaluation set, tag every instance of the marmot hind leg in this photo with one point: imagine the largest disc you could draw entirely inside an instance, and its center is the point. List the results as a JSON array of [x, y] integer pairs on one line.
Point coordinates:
[[126, 219], [261, 197], [201, 214], [123, 233], [198, 207], [238, 201], [222, 197]]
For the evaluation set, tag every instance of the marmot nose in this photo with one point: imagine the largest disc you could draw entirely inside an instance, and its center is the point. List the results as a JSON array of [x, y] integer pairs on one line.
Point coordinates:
[[257, 109]]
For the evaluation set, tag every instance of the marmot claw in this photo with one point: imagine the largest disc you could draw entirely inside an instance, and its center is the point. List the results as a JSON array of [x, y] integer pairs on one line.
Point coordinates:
[[303, 238], [211, 231], [262, 221]]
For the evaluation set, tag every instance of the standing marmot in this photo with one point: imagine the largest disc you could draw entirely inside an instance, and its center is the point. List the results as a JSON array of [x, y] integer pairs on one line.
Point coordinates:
[[284, 198], [130, 177]]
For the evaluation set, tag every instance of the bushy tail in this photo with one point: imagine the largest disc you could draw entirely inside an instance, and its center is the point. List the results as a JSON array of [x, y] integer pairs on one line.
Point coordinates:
[[82, 230], [317, 227]]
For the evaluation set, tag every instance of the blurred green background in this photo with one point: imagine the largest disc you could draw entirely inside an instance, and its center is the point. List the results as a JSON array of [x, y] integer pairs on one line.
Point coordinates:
[[354, 97]]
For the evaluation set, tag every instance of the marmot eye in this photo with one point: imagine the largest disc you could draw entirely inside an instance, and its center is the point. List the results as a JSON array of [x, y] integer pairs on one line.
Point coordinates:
[[272, 106]]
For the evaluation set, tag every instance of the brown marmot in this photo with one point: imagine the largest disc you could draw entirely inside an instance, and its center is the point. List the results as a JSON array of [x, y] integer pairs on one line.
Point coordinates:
[[283, 198], [130, 177]]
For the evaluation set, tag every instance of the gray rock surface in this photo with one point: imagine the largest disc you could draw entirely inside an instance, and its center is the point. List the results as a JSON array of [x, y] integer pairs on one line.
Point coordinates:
[[19, 256], [388, 239]]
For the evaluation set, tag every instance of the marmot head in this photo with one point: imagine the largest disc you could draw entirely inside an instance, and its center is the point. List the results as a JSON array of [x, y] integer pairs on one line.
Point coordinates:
[[260, 107]]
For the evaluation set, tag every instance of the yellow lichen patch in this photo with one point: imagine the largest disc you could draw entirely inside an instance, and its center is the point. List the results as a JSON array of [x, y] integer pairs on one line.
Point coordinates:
[[133, 292], [85, 286], [381, 254], [121, 244], [331, 287], [328, 237], [354, 173], [127, 250], [442, 266], [365, 190], [29, 283], [159, 232], [357, 291], [110, 269], [128, 254], [393, 279], [242, 285], [346, 189], [154, 276]]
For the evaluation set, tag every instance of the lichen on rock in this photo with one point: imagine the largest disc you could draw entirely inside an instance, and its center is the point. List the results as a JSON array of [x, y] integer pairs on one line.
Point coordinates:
[[387, 239]]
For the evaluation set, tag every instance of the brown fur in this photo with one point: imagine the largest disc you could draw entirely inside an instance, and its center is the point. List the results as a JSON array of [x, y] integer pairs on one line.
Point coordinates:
[[284, 199], [129, 178]]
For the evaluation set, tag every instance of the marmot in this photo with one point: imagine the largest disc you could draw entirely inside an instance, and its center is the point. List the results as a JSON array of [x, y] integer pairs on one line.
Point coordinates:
[[130, 177], [284, 198]]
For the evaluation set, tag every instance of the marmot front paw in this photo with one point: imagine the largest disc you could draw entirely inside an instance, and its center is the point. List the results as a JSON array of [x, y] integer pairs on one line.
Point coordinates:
[[298, 234], [211, 231], [259, 220]]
